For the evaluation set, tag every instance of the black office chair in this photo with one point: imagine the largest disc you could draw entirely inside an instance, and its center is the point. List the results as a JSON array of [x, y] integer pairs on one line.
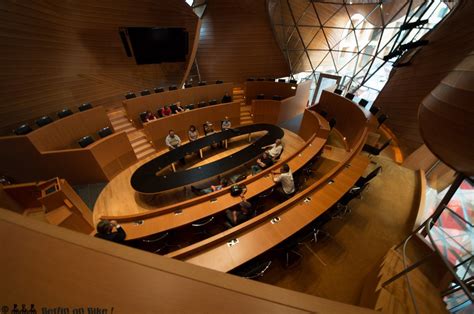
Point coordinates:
[[313, 232], [271, 79], [349, 96], [159, 243], [276, 97], [261, 79], [202, 104], [323, 113], [342, 209], [219, 82], [64, 113], [332, 123], [364, 180], [202, 83], [159, 89], [338, 91], [261, 96], [293, 81], [374, 110], [251, 79], [188, 85], [85, 106], [363, 103], [172, 87], [290, 252], [381, 119], [189, 107], [44, 120], [104, 132], [85, 141], [130, 95], [159, 113], [212, 102], [174, 108], [374, 150], [23, 129], [253, 269], [201, 226], [145, 92], [143, 116], [281, 81]]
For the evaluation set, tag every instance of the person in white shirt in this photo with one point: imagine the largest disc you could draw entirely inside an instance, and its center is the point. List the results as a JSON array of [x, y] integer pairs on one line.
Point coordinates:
[[285, 178], [172, 140], [226, 124], [274, 150]]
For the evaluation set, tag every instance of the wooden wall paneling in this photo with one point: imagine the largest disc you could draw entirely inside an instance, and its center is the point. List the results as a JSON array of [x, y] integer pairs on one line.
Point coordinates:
[[237, 42], [65, 133], [449, 43], [193, 95], [157, 130], [182, 287], [266, 111], [308, 123], [253, 88], [294, 106], [61, 54], [350, 118], [114, 154]]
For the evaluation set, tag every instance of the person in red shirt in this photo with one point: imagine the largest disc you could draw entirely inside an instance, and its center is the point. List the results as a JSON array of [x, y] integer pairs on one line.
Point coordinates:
[[166, 111], [149, 116]]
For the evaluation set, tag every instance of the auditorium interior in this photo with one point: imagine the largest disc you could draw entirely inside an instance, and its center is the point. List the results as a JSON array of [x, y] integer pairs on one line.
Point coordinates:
[[246, 156]]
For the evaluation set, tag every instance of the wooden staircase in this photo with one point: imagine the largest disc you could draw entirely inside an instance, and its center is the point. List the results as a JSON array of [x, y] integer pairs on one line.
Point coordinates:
[[120, 122], [395, 297], [245, 111]]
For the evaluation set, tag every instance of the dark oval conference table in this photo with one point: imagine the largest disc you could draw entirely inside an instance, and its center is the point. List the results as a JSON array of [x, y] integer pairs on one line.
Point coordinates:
[[145, 179]]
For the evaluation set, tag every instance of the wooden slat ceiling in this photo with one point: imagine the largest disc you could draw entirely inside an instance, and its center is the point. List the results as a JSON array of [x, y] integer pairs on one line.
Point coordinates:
[[58, 54]]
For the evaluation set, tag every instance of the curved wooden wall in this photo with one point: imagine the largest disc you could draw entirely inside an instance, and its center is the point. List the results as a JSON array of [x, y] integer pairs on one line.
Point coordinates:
[[450, 42], [62, 53], [446, 118], [186, 96], [278, 111], [237, 42]]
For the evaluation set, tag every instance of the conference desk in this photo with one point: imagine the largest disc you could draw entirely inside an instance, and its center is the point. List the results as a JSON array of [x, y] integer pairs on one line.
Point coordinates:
[[232, 248], [145, 180], [163, 219]]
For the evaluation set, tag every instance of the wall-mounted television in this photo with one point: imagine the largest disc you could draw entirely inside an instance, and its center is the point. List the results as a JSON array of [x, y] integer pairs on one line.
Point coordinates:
[[156, 45]]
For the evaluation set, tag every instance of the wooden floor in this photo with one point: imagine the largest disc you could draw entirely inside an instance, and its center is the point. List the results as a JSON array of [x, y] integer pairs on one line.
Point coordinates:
[[119, 198]]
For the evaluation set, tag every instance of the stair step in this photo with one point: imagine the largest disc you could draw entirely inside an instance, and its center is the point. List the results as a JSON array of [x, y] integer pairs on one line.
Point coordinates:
[[141, 148], [139, 142], [126, 129], [145, 153], [246, 122]]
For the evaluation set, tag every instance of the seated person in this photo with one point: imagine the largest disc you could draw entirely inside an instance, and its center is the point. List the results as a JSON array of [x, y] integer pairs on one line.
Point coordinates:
[[222, 184], [286, 188], [241, 214], [105, 230], [274, 150], [172, 140], [166, 111], [263, 162], [149, 116], [209, 130], [193, 133], [176, 107], [226, 124], [226, 98]]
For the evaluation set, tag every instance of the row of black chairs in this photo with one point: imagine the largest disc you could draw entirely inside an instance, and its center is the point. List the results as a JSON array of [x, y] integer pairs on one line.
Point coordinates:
[[261, 79], [375, 110], [45, 120], [157, 90], [274, 97], [88, 139]]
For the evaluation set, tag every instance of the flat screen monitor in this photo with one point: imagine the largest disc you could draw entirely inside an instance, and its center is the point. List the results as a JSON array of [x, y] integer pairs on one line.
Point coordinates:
[[156, 45]]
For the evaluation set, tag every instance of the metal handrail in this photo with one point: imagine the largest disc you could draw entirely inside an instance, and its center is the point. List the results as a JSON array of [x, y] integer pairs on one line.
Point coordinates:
[[410, 289], [428, 224]]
